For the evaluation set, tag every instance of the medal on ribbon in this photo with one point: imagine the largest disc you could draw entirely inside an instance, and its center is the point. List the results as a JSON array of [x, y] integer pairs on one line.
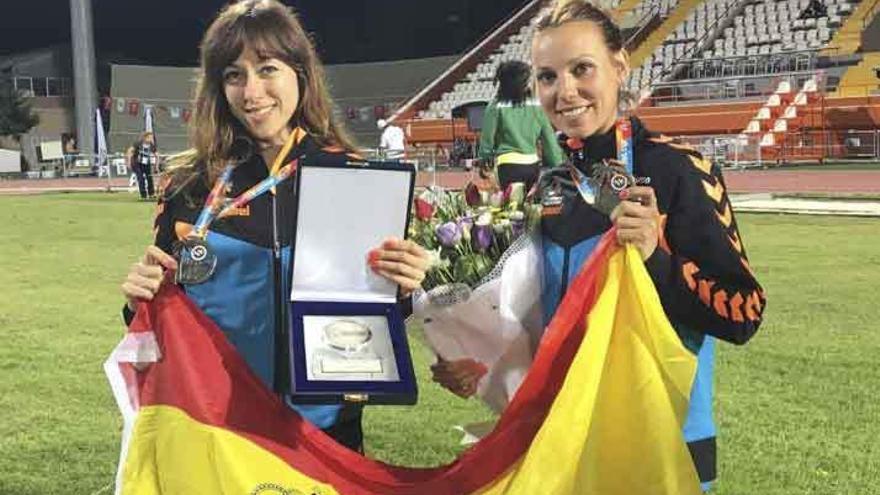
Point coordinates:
[[196, 260], [602, 188], [196, 263]]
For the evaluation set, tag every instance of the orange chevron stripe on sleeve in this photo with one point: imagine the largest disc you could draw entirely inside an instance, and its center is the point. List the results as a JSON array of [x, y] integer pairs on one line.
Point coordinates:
[[735, 311], [753, 307], [182, 229], [704, 165], [715, 192], [705, 291], [726, 217], [160, 207], [662, 243], [688, 270], [719, 303], [735, 242]]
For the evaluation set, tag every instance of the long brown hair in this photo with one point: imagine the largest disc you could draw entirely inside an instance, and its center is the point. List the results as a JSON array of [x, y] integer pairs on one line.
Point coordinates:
[[273, 31]]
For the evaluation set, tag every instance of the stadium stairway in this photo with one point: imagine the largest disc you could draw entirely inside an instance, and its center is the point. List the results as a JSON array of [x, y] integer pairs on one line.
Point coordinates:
[[860, 79], [784, 114], [676, 17], [848, 39]]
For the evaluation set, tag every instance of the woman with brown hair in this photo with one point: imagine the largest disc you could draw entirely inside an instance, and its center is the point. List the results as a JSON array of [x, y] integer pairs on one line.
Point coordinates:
[[262, 84], [677, 215]]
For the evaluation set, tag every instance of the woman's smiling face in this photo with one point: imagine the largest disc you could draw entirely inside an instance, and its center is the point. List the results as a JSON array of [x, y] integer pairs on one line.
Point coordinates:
[[263, 94], [578, 78]]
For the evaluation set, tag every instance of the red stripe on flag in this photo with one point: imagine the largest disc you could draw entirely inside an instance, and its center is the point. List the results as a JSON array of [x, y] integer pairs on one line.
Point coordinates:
[[202, 374]]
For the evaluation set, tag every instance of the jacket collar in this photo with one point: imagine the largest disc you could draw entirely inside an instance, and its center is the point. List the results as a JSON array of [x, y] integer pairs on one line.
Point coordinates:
[[599, 146]]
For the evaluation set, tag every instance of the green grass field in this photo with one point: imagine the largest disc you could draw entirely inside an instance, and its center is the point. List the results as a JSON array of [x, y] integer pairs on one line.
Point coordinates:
[[797, 407]]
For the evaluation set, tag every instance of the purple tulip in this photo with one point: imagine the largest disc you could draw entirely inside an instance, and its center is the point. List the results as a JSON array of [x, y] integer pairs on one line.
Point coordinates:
[[482, 237], [448, 234], [517, 223], [517, 228]]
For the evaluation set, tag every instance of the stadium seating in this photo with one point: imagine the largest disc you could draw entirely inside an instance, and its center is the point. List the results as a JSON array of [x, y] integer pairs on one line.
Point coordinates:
[[763, 59]]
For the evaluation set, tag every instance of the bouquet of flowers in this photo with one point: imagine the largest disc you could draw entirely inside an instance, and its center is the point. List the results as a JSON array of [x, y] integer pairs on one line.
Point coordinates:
[[481, 297], [468, 232]]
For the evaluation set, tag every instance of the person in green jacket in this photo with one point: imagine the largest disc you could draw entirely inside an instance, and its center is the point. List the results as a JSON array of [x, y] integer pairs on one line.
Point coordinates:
[[513, 124]]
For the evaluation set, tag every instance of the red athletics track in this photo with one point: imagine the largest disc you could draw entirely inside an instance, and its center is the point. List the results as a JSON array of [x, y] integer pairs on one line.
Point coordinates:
[[753, 181], [747, 181]]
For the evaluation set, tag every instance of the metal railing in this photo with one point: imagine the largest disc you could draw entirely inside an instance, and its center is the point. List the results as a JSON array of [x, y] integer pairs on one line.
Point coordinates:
[[872, 11], [745, 150], [728, 151], [793, 61], [429, 156], [709, 35], [731, 88], [813, 145]]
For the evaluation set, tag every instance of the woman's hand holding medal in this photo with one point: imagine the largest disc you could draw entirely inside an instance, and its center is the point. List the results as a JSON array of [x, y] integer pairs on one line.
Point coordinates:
[[146, 276], [637, 219]]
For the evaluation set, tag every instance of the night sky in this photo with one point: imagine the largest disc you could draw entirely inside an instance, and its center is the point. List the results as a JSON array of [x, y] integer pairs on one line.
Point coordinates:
[[167, 32]]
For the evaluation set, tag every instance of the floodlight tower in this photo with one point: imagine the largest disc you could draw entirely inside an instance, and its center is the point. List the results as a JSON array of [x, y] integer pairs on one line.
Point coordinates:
[[84, 81]]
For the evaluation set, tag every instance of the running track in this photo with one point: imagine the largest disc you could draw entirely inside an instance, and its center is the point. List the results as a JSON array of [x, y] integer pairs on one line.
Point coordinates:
[[748, 181]]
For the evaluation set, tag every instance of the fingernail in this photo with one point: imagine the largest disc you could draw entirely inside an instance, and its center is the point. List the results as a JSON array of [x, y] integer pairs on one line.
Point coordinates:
[[373, 257], [623, 194]]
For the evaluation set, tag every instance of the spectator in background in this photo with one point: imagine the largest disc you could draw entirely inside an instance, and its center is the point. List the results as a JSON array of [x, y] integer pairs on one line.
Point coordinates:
[[392, 144], [461, 154], [815, 9], [441, 155], [143, 159], [512, 127], [68, 150]]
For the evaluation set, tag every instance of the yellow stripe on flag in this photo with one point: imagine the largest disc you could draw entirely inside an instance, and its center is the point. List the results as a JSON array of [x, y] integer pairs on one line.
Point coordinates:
[[615, 426], [172, 453]]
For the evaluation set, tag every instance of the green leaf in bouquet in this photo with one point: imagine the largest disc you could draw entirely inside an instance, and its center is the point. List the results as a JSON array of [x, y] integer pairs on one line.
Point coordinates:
[[482, 265], [465, 269]]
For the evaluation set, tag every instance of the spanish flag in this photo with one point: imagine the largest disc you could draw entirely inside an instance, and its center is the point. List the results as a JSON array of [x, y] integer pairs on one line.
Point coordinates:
[[600, 411]]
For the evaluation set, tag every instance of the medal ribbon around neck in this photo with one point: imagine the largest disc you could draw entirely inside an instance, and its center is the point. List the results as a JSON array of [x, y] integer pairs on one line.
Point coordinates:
[[623, 135], [217, 204]]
